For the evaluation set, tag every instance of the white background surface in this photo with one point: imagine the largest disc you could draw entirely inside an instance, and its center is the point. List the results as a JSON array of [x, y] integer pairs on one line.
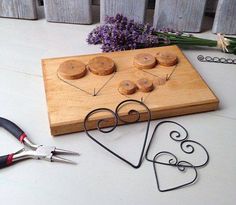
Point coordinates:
[[99, 178]]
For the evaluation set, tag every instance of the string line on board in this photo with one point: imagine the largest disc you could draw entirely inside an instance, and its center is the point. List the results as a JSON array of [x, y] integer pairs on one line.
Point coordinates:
[[168, 76], [94, 90]]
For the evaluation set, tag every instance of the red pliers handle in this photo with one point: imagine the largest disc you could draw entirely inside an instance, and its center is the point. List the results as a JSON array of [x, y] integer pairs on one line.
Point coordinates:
[[16, 132], [34, 152]]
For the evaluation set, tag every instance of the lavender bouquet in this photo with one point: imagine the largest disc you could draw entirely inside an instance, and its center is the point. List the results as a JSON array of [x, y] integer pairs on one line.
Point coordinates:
[[118, 34]]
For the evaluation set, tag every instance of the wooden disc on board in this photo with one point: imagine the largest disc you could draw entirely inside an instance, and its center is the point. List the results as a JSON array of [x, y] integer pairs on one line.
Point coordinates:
[[127, 87], [145, 85], [144, 61], [166, 58], [101, 65], [72, 69]]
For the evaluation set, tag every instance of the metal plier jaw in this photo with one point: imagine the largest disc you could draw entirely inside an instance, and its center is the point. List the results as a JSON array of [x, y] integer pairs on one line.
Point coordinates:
[[34, 151]]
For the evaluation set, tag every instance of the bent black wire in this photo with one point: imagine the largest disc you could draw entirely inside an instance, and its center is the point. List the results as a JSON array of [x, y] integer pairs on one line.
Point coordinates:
[[180, 165], [185, 144], [118, 119], [213, 59]]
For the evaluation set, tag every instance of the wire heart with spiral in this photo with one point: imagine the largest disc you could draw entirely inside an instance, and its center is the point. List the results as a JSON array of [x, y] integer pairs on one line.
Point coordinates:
[[133, 116], [187, 147]]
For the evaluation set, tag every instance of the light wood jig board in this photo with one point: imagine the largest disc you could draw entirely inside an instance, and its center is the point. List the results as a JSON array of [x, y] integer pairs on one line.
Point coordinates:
[[185, 92]]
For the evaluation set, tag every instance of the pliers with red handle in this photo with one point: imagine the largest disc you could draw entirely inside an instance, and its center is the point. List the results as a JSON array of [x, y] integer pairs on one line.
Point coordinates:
[[43, 152]]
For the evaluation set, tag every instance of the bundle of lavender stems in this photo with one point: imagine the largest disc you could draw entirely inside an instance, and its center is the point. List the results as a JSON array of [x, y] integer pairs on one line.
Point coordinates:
[[118, 34]]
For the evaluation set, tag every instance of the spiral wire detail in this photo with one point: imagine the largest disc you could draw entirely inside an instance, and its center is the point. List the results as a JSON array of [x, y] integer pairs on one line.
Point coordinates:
[[186, 145], [210, 59]]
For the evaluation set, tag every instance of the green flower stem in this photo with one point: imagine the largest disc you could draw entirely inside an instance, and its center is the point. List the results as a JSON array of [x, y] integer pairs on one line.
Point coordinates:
[[173, 39], [187, 40]]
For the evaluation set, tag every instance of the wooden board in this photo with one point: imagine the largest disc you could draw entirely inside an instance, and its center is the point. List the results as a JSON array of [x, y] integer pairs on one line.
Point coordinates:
[[184, 93], [22, 9], [132, 9], [68, 11], [180, 15], [225, 17]]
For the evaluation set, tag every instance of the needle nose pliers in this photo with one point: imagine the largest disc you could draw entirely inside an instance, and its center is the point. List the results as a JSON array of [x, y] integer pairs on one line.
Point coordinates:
[[34, 151]]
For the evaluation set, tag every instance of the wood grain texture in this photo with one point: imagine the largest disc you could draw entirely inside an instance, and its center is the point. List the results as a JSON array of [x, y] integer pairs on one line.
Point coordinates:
[[182, 15], [225, 18], [68, 11], [22, 9], [151, 3], [185, 93], [132, 9]]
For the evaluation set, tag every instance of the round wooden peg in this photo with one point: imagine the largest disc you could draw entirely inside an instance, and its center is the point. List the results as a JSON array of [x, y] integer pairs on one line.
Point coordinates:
[[145, 85], [166, 58], [127, 87], [144, 61], [72, 69], [101, 65]]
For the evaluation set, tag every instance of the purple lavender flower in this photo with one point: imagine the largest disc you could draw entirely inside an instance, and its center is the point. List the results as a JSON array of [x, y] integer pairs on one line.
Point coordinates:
[[118, 33]]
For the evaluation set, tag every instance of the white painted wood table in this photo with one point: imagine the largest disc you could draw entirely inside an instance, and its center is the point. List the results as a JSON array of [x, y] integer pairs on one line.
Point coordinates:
[[99, 178]]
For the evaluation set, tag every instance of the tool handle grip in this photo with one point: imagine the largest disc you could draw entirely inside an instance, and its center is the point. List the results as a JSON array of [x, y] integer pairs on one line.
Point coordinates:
[[6, 160], [12, 128]]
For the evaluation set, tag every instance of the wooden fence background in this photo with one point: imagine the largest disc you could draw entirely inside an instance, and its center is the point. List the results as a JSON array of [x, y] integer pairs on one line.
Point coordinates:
[[182, 15]]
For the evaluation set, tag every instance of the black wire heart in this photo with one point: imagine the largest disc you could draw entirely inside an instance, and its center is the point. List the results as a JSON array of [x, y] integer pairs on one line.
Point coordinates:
[[118, 119], [173, 162], [185, 145]]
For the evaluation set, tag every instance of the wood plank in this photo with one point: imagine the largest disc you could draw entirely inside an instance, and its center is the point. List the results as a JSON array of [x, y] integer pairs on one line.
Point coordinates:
[[151, 3], [225, 17], [132, 9], [8, 9], [185, 93], [22, 9], [180, 15], [68, 11]]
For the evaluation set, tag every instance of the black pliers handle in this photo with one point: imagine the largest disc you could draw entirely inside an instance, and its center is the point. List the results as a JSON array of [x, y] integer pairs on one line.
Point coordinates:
[[47, 153], [17, 133]]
